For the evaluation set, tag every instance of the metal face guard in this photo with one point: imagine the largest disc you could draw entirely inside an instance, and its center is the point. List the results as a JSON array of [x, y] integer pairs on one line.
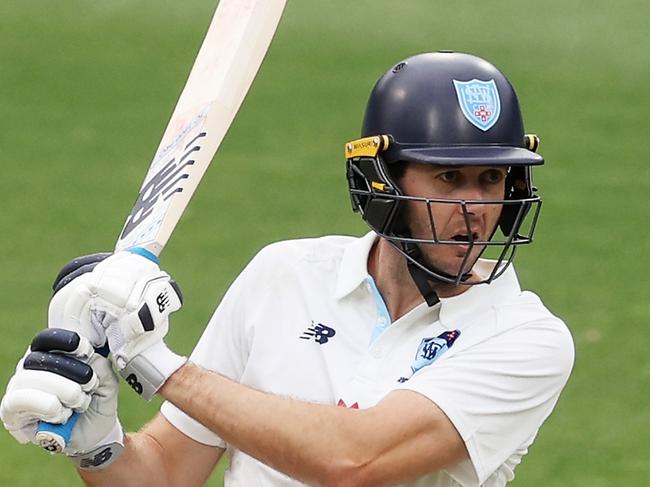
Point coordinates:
[[500, 246]]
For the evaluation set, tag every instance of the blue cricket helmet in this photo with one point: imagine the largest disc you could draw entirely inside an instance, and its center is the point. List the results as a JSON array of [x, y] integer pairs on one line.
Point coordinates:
[[450, 109]]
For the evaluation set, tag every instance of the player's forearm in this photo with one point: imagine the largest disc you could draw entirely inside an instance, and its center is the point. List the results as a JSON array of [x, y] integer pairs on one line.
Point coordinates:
[[141, 463], [310, 442]]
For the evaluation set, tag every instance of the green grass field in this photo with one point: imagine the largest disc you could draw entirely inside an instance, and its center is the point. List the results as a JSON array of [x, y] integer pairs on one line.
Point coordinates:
[[87, 88]]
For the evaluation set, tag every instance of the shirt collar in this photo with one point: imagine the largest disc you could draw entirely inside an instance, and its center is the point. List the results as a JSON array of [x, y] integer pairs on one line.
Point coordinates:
[[480, 296], [353, 270]]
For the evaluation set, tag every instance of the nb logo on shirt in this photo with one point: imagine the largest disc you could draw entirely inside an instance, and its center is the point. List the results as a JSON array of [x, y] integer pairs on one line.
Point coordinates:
[[319, 333]]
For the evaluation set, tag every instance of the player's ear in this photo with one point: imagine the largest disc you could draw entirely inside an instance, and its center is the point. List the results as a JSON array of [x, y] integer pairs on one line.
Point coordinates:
[[76, 267]]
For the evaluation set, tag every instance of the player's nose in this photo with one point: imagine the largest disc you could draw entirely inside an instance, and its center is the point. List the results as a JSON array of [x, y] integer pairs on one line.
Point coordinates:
[[474, 200]]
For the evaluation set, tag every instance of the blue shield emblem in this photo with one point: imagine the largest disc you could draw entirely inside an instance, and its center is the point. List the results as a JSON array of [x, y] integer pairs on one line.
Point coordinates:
[[431, 349], [479, 102]]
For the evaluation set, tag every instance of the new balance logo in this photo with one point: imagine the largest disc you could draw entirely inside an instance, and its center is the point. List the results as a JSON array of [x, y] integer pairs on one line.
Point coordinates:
[[162, 300], [101, 458], [319, 333], [132, 380], [51, 446]]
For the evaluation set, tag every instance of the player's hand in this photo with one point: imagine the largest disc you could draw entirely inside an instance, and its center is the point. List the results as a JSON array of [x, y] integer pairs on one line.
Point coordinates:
[[129, 299], [61, 373], [70, 306]]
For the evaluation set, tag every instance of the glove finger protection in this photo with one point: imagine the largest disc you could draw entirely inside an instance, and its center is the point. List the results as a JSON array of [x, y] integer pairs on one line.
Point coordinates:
[[69, 306], [70, 309], [131, 300], [59, 374], [48, 386], [76, 267]]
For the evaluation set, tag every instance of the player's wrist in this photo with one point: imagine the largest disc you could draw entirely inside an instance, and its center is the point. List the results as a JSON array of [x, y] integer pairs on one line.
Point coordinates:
[[104, 453], [147, 372]]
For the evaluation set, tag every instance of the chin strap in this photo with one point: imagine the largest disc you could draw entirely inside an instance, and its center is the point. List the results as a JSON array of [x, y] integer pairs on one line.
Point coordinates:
[[422, 282], [422, 279], [425, 281]]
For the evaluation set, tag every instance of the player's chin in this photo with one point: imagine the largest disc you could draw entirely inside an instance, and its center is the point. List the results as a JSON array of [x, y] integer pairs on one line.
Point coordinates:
[[452, 260], [460, 259]]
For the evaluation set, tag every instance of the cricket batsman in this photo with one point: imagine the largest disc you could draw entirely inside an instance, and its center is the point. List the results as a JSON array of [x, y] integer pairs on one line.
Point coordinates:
[[402, 357]]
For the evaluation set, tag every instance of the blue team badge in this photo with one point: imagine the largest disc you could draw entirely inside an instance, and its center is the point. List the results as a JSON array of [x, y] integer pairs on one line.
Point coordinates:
[[431, 349], [479, 101]]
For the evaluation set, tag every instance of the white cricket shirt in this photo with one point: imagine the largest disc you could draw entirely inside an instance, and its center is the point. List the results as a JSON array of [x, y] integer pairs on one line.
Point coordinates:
[[304, 320]]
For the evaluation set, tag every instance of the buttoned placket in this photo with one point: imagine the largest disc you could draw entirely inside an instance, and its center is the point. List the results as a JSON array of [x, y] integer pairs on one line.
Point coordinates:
[[369, 382], [383, 316]]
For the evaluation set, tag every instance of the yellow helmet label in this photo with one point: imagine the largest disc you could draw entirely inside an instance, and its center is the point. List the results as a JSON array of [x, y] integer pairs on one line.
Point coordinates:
[[368, 146]]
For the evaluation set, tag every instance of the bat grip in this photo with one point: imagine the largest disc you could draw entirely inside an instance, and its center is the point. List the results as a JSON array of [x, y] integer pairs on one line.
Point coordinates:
[[145, 253], [54, 437]]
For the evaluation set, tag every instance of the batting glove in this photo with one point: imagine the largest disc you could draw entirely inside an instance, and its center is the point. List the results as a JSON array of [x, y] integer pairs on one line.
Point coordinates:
[[60, 374], [70, 306], [129, 300]]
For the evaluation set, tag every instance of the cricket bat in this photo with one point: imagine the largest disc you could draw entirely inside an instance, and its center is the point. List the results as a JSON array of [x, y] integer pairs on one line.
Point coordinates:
[[233, 49]]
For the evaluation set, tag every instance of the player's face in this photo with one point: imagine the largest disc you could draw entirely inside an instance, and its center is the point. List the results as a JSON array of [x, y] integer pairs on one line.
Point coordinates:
[[450, 221]]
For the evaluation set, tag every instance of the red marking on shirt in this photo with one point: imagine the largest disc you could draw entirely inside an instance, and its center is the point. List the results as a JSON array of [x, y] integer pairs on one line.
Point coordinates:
[[342, 404]]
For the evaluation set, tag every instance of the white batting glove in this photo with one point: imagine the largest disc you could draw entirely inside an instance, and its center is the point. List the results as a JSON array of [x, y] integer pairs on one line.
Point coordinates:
[[61, 374], [130, 300]]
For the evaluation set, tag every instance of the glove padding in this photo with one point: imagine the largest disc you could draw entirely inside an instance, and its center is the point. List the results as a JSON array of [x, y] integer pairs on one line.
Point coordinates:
[[75, 268], [127, 300], [59, 374], [70, 306]]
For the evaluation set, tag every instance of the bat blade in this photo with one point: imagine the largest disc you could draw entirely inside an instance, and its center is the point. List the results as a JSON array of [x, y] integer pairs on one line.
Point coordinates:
[[232, 51]]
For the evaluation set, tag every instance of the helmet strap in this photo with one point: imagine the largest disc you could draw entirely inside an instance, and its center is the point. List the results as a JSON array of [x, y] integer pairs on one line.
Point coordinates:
[[426, 282], [422, 279]]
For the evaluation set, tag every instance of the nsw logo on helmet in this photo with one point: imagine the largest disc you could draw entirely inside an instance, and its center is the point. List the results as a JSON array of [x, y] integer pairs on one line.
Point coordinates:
[[479, 101]]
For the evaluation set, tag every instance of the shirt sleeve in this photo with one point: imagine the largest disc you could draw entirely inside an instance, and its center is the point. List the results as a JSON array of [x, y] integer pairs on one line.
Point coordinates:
[[498, 392], [222, 348]]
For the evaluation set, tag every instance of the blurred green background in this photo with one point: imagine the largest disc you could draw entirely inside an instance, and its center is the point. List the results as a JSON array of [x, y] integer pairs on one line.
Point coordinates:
[[87, 88]]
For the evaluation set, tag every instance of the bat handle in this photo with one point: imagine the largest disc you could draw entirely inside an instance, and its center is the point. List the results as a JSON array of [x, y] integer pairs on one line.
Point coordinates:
[[55, 437]]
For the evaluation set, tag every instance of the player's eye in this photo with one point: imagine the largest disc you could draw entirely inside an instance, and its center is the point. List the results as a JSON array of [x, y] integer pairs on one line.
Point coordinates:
[[448, 176], [493, 176]]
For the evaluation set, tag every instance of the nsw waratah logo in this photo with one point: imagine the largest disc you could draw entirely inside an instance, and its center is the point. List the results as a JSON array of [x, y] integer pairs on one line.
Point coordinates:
[[430, 350], [479, 101]]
